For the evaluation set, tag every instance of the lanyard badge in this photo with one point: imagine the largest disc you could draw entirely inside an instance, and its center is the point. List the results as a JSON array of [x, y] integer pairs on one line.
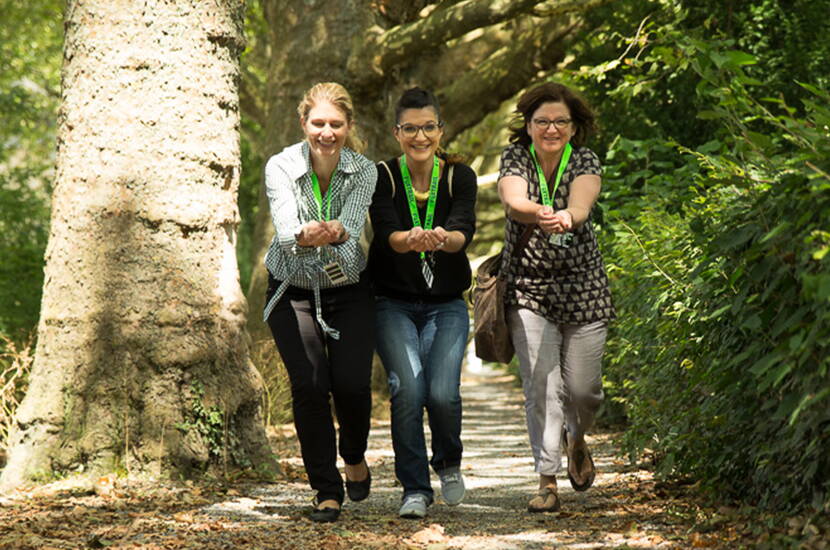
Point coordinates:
[[557, 239], [426, 270], [332, 269]]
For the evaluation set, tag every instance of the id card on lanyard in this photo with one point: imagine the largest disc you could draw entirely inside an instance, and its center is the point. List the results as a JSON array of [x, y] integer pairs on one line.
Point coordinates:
[[333, 270], [558, 239], [426, 270]]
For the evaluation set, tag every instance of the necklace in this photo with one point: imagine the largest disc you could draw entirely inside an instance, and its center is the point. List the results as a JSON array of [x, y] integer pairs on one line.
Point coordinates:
[[420, 196]]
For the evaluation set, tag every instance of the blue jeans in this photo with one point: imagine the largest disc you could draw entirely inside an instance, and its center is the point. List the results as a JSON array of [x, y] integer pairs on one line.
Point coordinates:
[[421, 346]]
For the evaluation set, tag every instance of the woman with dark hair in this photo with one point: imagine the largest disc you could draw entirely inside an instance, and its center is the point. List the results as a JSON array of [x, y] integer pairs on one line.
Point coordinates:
[[423, 216], [319, 299], [558, 300]]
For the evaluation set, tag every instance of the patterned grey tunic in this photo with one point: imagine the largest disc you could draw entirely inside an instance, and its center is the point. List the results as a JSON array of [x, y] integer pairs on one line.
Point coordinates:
[[563, 285]]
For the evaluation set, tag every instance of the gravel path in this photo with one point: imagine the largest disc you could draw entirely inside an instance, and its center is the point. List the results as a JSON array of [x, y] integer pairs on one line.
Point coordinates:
[[620, 511]]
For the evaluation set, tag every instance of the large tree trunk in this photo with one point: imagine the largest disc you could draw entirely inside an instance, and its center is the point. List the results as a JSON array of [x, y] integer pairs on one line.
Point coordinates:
[[376, 49], [142, 363]]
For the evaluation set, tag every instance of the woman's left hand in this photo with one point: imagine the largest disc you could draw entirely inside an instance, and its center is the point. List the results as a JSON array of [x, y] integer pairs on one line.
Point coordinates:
[[337, 233], [438, 238], [561, 221]]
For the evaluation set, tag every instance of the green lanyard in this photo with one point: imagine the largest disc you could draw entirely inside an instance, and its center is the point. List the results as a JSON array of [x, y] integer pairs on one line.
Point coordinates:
[[410, 196], [315, 185], [543, 184]]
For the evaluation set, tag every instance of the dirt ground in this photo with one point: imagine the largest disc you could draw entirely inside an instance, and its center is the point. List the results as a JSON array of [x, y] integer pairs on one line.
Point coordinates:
[[626, 508]]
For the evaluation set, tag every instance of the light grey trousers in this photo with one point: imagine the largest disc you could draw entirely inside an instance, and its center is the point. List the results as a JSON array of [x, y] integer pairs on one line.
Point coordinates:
[[561, 370]]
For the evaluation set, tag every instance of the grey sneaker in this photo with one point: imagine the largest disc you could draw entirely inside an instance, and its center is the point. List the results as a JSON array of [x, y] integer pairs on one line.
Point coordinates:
[[414, 506], [452, 486]]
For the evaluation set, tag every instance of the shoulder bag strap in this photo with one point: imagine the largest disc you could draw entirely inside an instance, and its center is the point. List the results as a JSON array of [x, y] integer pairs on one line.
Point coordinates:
[[522, 242], [449, 178], [520, 245], [391, 179]]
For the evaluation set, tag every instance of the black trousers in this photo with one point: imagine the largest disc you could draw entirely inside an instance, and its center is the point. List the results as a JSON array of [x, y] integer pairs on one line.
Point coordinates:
[[319, 366]]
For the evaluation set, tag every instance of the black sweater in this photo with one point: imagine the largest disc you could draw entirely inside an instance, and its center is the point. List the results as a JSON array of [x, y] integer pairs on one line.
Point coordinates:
[[396, 275]]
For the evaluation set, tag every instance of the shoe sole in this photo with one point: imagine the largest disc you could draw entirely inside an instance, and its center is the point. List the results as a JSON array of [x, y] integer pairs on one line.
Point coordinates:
[[543, 510], [588, 482]]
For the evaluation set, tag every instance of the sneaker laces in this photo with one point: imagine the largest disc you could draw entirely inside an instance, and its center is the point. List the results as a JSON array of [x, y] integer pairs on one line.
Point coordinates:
[[450, 478]]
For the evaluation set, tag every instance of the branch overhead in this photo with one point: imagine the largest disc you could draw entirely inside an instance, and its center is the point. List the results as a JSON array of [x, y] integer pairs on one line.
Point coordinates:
[[393, 47], [441, 25], [481, 90]]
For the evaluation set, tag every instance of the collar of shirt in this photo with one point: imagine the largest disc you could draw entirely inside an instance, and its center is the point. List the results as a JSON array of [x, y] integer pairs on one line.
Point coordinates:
[[298, 161]]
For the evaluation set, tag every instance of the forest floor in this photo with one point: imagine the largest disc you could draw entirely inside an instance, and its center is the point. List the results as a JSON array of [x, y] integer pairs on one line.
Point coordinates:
[[626, 508]]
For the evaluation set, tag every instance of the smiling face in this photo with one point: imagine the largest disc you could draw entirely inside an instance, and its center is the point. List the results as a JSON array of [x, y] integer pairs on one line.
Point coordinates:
[[419, 147], [326, 128], [551, 140]]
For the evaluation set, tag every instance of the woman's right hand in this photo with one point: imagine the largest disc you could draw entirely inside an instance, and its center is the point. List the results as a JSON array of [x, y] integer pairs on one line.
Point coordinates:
[[416, 240], [545, 219], [421, 240]]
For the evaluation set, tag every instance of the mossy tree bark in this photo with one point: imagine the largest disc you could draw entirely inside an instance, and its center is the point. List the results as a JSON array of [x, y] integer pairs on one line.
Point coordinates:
[[142, 362], [474, 54]]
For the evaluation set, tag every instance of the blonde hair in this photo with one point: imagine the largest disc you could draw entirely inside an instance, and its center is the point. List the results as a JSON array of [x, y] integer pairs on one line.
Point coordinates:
[[337, 95]]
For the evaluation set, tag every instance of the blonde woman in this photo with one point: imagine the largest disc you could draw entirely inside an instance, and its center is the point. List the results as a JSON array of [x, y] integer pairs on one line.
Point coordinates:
[[319, 304]]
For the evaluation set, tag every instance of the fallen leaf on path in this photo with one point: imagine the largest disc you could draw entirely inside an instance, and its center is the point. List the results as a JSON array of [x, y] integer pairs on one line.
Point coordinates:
[[433, 533], [183, 517], [105, 485], [699, 541]]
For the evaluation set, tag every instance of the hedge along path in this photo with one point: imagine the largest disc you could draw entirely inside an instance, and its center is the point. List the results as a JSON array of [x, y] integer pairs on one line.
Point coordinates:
[[624, 509]]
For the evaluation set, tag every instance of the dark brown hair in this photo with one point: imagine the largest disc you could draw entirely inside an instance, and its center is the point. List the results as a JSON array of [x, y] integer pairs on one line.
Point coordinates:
[[583, 117]]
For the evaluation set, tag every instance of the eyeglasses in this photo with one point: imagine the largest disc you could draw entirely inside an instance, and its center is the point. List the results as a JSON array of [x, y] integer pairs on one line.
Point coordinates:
[[430, 129], [559, 123]]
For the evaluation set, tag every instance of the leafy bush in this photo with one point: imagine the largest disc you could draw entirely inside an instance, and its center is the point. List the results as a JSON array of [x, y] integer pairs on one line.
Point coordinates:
[[24, 226], [720, 266]]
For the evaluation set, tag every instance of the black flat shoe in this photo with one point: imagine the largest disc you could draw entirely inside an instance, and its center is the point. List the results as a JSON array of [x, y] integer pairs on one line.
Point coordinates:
[[359, 490], [325, 515]]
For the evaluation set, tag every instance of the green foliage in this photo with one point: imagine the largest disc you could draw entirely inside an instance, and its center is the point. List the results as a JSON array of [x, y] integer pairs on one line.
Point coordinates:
[[253, 65], [643, 83], [24, 226], [720, 269], [248, 201], [30, 54], [207, 422]]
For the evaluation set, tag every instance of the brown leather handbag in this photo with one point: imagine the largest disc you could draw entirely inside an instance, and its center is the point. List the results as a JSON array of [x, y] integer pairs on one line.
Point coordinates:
[[491, 334]]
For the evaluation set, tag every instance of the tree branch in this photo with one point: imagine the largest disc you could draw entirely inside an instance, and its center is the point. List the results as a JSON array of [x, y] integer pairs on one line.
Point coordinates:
[[392, 47], [481, 90], [551, 8], [535, 47]]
